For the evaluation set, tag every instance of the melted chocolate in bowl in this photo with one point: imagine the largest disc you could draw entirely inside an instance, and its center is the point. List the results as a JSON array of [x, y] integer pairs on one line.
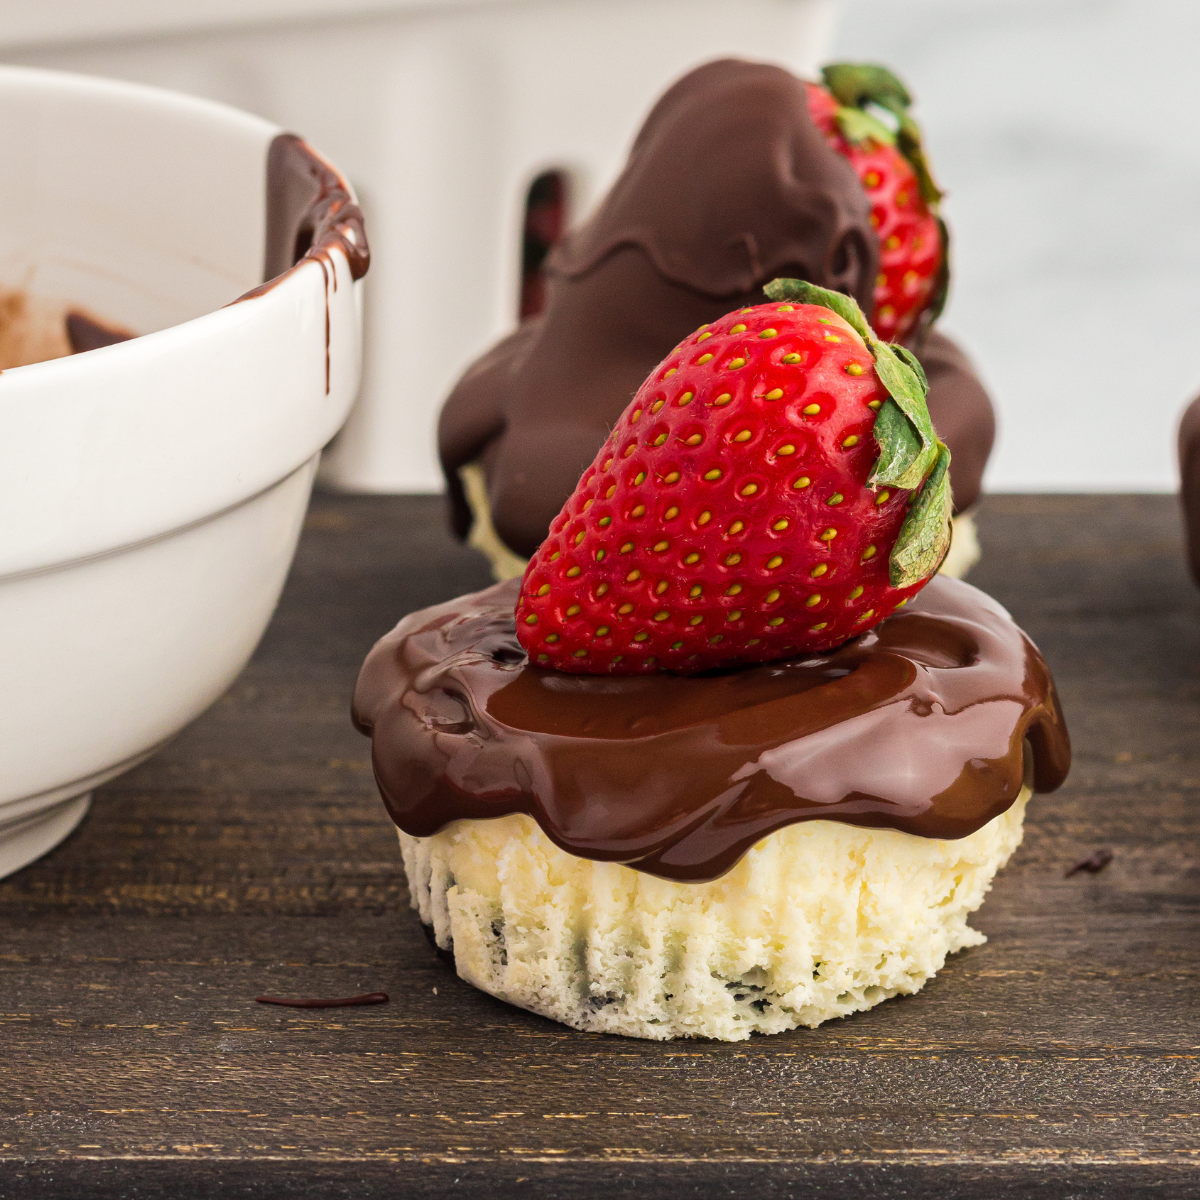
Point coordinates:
[[917, 725]]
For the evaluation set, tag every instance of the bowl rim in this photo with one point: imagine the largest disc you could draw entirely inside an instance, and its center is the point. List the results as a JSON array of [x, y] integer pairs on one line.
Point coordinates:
[[231, 354], [332, 217]]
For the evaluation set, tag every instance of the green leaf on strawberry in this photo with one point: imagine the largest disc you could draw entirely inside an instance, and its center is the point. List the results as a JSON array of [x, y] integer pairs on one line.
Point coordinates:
[[863, 111], [858, 126], [899, 447], [857, 85], [915, 363], [908, 449], [908, 392], [924, 537]]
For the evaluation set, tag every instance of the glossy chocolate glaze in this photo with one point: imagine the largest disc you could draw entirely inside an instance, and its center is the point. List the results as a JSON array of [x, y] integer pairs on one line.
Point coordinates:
[[309, 211], [918, 725], [729, 184], [1189, 483]]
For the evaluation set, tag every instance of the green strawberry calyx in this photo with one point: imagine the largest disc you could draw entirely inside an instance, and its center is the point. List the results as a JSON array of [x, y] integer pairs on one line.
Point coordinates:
[[859, 87], [911, 456]]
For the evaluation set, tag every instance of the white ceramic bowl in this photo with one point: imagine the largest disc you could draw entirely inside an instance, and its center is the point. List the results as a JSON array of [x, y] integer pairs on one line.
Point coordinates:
[[153, 491]]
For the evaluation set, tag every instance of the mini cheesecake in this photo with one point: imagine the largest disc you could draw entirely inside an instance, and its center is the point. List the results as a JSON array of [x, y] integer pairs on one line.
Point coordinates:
[[741, 851]]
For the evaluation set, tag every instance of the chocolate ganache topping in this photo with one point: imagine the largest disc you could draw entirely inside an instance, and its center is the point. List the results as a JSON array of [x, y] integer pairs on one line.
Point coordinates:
[[728, 185], [919, 725]]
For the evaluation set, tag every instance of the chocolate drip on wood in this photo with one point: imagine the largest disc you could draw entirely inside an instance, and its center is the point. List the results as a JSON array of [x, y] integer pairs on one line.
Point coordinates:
[[342, 1002], [919, 725], [1093, 864]]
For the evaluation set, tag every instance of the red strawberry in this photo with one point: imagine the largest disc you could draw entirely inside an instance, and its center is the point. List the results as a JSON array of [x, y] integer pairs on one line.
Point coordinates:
[[753, 501], [891, 165]]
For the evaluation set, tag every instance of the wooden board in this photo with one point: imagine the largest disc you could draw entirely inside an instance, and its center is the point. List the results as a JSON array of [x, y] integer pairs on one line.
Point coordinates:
[[252, 855]]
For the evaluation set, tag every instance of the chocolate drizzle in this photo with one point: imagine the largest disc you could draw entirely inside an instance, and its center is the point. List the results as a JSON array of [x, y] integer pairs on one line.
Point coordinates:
[[918, 725], [729, 184], [310, 211]]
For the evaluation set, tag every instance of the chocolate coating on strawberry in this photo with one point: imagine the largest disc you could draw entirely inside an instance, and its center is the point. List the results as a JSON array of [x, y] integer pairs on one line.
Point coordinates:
[[918, 725], [743, 508], [729, 158], [729, 184]]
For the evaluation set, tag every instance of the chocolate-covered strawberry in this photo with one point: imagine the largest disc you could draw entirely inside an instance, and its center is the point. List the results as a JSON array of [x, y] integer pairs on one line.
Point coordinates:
[[775, 486], [891, 165]]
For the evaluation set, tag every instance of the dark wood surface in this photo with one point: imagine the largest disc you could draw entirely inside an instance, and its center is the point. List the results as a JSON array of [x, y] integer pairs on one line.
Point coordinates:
[[252, 855]]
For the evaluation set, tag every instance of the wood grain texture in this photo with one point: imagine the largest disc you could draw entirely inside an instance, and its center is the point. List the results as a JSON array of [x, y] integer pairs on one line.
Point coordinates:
[[252, 855]]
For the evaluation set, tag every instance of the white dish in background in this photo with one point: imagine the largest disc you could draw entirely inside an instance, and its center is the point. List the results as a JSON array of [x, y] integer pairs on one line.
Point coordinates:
[[443, 112], [153, 490]]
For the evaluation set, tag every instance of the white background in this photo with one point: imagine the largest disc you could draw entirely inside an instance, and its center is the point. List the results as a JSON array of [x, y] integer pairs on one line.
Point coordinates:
[[1065, 132]]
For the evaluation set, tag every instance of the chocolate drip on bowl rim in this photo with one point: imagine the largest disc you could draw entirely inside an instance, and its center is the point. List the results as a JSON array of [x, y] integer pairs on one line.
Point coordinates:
[[919, 725], [311, 210]]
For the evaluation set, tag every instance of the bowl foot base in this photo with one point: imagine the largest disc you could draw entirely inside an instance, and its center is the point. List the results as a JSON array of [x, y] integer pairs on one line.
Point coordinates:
[[30, 837]]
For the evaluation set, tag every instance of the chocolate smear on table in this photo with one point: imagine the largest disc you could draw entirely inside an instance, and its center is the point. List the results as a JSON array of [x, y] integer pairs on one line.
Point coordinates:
[[342, 1002], [1093, 864], [918, 725], [729, 184]]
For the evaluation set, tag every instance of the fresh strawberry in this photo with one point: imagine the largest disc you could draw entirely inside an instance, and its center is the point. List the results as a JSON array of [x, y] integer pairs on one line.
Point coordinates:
[[752, 502], [913, 244]]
